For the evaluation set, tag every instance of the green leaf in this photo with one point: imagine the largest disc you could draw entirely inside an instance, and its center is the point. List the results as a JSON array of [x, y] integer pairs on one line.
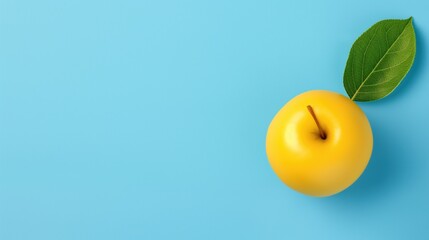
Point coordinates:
[[379, 60]]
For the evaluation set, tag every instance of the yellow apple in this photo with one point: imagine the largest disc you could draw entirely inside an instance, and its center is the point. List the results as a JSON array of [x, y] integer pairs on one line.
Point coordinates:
[[319, 143]]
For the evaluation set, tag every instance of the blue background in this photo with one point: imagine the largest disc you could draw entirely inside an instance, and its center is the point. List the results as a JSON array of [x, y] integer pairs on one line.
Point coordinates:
[[147, 120]]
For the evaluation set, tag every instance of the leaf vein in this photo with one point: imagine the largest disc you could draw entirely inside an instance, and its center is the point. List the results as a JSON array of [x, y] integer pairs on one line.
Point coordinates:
[[387, 68]]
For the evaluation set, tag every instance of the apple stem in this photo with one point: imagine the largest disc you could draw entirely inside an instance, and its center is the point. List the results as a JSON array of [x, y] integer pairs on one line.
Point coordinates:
[[321, 132]]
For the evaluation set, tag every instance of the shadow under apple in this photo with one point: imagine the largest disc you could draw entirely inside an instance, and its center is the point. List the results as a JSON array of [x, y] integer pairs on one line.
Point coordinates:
[[387, 169]]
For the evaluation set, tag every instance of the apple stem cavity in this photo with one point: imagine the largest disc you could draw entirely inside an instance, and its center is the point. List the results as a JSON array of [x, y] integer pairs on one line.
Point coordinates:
[[321, 132]]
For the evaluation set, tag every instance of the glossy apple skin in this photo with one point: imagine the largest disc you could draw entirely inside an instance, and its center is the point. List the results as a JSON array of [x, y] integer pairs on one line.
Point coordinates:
[[307, 163]]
